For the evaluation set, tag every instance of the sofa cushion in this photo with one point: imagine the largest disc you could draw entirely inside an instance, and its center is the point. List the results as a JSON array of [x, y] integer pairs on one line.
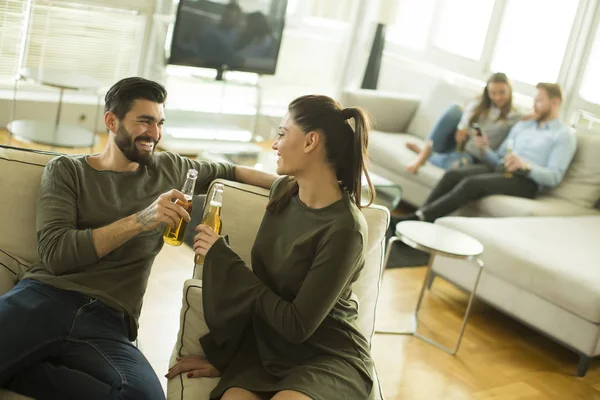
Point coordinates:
[[552, 257], [366, 288], [500, 206], [22, 169], [433, 106], [581, 184], [389, 150], [390, 111], [238, 224], [191, 328]]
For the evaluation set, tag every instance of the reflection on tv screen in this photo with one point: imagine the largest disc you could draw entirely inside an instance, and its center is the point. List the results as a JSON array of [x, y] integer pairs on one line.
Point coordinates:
[[233, 35]]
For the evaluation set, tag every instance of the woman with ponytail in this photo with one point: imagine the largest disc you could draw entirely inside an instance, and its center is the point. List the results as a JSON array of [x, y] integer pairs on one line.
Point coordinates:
[[287, 329]]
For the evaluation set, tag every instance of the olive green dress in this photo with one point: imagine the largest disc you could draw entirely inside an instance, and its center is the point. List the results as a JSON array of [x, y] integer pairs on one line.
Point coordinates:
[[290, 324]]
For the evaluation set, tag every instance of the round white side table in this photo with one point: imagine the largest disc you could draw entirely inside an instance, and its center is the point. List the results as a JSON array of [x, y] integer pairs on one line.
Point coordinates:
[[48, 133], [437, 240]]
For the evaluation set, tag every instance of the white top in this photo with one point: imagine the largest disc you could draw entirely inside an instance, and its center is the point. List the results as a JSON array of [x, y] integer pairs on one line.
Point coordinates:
[[495, 129], [60, 79], [439, 239]]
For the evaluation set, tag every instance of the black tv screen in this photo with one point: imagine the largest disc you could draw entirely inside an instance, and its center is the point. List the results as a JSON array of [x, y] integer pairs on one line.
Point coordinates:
[[242, 35]]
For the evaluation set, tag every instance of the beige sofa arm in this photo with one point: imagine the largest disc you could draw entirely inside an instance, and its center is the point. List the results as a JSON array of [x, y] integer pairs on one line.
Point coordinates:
[[192, 327], [391, 112]]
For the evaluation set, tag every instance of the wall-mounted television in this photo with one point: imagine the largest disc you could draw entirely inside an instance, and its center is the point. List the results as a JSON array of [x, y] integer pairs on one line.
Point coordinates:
[[243, 35]]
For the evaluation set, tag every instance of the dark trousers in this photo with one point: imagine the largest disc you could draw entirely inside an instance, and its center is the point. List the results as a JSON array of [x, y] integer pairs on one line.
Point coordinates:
[[59, 344], [460, 186]]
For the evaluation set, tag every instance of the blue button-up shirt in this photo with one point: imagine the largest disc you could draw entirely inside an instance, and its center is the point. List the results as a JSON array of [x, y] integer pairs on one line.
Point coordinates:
[[548, 149]]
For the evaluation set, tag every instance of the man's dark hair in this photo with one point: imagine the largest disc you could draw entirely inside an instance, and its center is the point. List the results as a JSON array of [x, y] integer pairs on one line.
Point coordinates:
[[122, 94]]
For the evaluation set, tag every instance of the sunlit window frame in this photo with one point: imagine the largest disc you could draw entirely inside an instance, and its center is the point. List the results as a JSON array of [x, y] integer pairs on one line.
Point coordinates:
[[586, 21]]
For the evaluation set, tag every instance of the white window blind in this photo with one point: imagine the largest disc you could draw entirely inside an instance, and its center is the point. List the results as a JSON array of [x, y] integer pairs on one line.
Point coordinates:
[[12, 16], [99, 38]]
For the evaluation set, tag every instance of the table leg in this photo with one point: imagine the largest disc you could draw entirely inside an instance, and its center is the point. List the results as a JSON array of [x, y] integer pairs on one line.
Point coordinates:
[[391, 241], [95, 123], [424, 286], [14, 108], [58, 112], [420, 300], [388, 250], [465, 319]]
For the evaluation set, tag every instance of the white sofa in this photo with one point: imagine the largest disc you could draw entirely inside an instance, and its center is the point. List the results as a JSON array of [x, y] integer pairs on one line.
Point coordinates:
[[543, 271], [541, 259], [400, 118], [243, 208]]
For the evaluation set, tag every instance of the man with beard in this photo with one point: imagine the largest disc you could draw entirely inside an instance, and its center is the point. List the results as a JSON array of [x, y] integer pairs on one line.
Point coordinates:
[[542, 149], [66, 328]]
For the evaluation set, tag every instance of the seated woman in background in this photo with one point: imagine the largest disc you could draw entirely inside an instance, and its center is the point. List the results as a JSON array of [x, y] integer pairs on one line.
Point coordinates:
[[451, 138], [287, 329]]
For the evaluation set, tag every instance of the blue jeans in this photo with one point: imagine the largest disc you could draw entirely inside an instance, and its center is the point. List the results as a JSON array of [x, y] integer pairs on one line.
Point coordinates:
[[443, 142], [59, 344]]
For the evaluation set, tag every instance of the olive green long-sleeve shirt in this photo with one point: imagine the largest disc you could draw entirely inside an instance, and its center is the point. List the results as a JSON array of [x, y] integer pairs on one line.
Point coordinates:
[[291, 323], [75, 198]]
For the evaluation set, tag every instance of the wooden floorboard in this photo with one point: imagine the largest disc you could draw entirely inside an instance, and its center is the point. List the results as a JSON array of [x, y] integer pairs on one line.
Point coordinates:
[[499, 359]]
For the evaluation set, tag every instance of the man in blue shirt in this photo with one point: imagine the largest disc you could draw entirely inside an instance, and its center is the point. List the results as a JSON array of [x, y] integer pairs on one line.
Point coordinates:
[[535, 155]]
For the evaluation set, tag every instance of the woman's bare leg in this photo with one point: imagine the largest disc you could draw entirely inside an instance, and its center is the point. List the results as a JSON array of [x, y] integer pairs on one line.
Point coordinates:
[[421, 159], [413, 147], [290, 395], [236, 393]]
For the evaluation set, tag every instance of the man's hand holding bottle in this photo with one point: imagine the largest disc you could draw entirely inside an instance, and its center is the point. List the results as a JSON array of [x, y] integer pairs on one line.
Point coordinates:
[[163, 210]]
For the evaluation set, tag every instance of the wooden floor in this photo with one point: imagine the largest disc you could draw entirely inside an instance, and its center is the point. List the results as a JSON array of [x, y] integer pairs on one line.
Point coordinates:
[[499, 358]]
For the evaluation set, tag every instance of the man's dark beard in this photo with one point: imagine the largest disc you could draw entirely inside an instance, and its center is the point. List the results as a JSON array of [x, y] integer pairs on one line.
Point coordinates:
[[543, 116], [127, 146]]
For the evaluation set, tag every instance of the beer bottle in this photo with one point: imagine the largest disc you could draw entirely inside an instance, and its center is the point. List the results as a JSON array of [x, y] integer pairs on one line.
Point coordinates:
[[174, 236], [212, 218], [509, 149]]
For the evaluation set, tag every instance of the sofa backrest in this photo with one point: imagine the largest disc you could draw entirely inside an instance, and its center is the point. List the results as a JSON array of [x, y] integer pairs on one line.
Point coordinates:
[[581, 184], [20, 176], [436, 102], [242, 212], [389, 112]]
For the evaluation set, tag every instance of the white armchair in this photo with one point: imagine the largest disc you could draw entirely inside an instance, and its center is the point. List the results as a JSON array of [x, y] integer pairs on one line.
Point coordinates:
[[243, 209]]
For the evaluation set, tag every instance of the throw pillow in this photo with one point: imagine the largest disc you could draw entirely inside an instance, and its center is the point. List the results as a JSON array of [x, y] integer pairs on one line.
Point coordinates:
[[581, 184]]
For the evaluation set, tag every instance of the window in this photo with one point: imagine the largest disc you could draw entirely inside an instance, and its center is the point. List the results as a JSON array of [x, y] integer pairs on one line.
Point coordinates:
[[99, 38], [412, 23], [533, 38], [590, 85], [462, 26], [339, 10], [12, 15], [292, 7]]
